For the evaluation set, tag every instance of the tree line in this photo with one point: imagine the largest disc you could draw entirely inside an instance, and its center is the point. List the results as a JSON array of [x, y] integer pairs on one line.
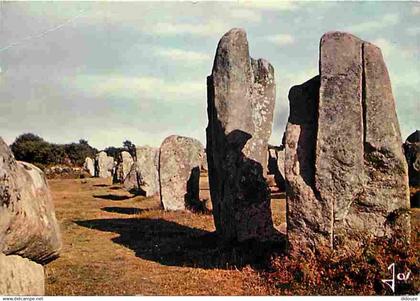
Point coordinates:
[[31, 148]]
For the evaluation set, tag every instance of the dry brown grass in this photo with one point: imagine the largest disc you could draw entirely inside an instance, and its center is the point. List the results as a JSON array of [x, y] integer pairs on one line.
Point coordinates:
[[117, 244]]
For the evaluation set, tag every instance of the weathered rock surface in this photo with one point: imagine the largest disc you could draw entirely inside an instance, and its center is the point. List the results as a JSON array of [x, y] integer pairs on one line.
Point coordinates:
[[179, 172], [20, 277], [241, 97], [132, 181], [123, 167], [89, 166], [309, 219], [143, 177], [28, 226], [412, 155], [276, 166], [104, 165], [346, 174]]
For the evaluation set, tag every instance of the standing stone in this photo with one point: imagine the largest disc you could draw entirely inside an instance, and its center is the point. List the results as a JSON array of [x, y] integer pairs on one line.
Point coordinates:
[[276, 166], [28, 226], [241, 97], [204, 165], [346, 173], [132, 181], [179, 172], [123, 167], [20, 277], [89, 166], [309, 219], [148, 165], [412, 155], [143, 177], [103, 165]]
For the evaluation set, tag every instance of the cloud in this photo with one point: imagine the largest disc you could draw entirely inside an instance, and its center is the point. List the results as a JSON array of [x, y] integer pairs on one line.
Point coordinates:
[[272, 5], [212, 28], [393, 50], [245, 14], [121, 86], [185, 56], [281, 39], [369, 26], [413, 31]]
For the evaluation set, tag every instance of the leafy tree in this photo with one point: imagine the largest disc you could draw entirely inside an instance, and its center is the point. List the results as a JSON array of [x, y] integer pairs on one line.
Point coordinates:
[[130, 147], [113, 151], [33, 149]]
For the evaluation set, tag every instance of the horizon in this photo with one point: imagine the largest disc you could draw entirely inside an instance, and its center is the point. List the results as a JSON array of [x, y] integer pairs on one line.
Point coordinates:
[[105, 72]]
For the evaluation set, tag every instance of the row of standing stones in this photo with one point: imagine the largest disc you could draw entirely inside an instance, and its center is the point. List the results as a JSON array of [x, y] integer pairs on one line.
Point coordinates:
[[171, 171], [341, 163]]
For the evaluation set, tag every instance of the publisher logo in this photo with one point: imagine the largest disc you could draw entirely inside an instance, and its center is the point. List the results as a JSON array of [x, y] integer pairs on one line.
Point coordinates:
[[400, 277]]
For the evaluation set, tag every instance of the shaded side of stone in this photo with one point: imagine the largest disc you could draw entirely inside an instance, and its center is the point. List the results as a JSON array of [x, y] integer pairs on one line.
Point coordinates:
[[275, 165], [412, 155], [309, 218]]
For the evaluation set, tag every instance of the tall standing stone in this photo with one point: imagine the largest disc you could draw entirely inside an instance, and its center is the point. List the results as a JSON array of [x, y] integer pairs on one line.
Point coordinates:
[[346, 174], [143, 177], [241, 97], [179, 172], [104, 165]]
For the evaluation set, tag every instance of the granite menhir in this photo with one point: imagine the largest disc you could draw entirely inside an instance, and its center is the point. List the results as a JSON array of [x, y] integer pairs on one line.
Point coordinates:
[[241, 97], [345, 169]]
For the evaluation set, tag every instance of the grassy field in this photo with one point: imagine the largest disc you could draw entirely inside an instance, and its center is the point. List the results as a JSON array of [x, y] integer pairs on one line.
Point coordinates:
[[115, 243]]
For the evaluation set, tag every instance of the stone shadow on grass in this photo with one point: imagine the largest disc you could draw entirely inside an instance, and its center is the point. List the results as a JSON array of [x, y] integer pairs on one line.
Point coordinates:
[[123, 210], [172, 244], [113, 197]]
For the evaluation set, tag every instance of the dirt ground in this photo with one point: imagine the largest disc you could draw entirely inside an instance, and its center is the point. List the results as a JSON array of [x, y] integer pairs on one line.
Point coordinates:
[[115, 243]]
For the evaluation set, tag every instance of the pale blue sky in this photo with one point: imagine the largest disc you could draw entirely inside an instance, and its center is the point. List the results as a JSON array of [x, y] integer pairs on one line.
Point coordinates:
[[107, 72]]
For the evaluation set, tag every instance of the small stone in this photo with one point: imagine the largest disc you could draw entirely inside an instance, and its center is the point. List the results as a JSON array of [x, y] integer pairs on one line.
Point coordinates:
[[89, 166]]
